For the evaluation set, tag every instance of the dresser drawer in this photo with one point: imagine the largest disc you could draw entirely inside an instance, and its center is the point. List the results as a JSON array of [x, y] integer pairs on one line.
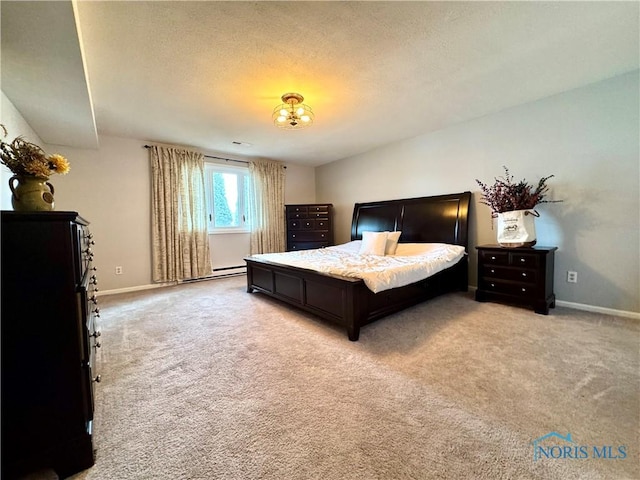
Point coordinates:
[[307, 224], [319, 208], [323, 224], [307, 245], [308, 236], [294, 225], [297, 215], [297, 209]]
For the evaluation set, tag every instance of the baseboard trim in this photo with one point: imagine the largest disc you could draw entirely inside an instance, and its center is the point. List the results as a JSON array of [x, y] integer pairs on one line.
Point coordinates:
[[588, 308], [595, 309], [172, 284], [137, 288]]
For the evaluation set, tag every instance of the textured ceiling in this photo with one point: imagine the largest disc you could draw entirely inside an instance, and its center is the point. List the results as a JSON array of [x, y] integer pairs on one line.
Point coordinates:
[[206, 74]]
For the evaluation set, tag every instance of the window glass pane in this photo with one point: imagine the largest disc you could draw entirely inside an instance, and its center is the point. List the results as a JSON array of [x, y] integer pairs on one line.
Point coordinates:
[[227, 191], [225, 199]]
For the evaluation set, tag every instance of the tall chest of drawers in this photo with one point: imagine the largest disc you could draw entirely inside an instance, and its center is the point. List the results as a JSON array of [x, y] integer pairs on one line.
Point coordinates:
[[517, 275], [49, 337], [309, 226]]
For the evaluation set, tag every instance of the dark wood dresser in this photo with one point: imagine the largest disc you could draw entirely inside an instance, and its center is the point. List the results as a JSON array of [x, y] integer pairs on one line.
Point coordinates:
[[521, 276], [309, 226], [49, 337]]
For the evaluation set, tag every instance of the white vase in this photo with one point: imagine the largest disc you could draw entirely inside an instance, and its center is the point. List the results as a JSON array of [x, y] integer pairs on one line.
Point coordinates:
[[517, 228]]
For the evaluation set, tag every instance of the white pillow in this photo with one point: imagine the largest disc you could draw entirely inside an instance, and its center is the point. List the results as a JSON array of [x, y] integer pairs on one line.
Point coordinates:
[[373, 243], [392, 243]]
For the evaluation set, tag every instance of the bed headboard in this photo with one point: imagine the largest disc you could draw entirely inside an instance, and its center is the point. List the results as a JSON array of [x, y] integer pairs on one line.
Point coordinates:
[[438, 219]]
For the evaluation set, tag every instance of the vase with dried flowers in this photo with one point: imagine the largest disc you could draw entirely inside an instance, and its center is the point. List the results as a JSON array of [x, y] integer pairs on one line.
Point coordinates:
[[31, 168], [513, 204]]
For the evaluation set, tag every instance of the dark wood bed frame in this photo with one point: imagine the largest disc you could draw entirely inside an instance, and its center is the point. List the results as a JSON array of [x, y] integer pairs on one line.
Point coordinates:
[[347, 301]]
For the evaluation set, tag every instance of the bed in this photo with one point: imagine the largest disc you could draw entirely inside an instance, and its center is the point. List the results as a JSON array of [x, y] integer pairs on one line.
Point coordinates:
[[347, 301]]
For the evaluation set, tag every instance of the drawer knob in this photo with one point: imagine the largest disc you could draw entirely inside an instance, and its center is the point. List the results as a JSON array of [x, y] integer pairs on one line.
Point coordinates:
[[97, 378], [493, 271], [522, 260], [493, 258], [493, 285], [524, 274], [524, 289], [294, 235]]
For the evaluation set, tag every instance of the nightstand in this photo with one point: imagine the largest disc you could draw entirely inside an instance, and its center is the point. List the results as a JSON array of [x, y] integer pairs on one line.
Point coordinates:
[[522, 276]]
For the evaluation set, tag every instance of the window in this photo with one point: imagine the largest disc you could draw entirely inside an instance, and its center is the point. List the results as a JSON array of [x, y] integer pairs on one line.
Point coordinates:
[[227, 198]]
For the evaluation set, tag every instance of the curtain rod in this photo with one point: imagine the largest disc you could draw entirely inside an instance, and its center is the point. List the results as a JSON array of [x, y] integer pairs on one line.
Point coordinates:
[[222, 158], [217, 158]]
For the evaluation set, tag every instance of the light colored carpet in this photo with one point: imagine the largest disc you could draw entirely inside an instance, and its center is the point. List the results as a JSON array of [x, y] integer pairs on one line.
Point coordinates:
[[206, 381]]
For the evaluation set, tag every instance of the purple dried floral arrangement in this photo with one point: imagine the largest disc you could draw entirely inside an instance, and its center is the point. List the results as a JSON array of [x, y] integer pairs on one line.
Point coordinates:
[[506, 195]]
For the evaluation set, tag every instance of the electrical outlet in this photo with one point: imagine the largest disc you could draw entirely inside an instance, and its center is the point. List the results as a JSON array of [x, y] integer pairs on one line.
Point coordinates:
[[118, 270], [572, 277]]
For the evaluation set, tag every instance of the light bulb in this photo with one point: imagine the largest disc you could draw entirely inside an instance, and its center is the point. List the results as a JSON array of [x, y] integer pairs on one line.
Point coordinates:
[[305, 118], [300, 111], [283, 112], [282, 118]]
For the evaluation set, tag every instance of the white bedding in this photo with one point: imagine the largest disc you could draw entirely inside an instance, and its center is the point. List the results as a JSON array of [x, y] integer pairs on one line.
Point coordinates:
[[412, 262]]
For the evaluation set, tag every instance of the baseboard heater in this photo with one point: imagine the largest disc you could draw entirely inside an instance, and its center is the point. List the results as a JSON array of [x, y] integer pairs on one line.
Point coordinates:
[[228, 271], [221, 272]]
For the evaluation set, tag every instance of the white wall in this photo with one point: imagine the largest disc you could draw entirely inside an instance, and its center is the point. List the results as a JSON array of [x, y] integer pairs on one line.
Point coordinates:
[[16, 126], [588, 138]]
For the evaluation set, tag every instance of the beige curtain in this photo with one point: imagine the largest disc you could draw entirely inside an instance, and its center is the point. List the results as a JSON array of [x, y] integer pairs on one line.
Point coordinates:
[[179, 215], [267, 207]]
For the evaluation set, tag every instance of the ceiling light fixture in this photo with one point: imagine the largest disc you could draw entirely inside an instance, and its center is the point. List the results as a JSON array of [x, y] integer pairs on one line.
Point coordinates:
[[292, 114]]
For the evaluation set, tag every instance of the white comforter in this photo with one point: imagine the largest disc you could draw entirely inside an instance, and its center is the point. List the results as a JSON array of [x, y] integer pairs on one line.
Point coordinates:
[[411, 263]]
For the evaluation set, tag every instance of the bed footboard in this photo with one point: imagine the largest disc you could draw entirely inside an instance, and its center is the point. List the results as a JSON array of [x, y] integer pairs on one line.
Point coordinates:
[[343, 300], [340, 300]]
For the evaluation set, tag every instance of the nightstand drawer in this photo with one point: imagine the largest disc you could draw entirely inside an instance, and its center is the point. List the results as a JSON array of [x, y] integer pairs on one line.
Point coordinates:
[[516, 289], [494, 258], [523, 260], [505, 273]]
